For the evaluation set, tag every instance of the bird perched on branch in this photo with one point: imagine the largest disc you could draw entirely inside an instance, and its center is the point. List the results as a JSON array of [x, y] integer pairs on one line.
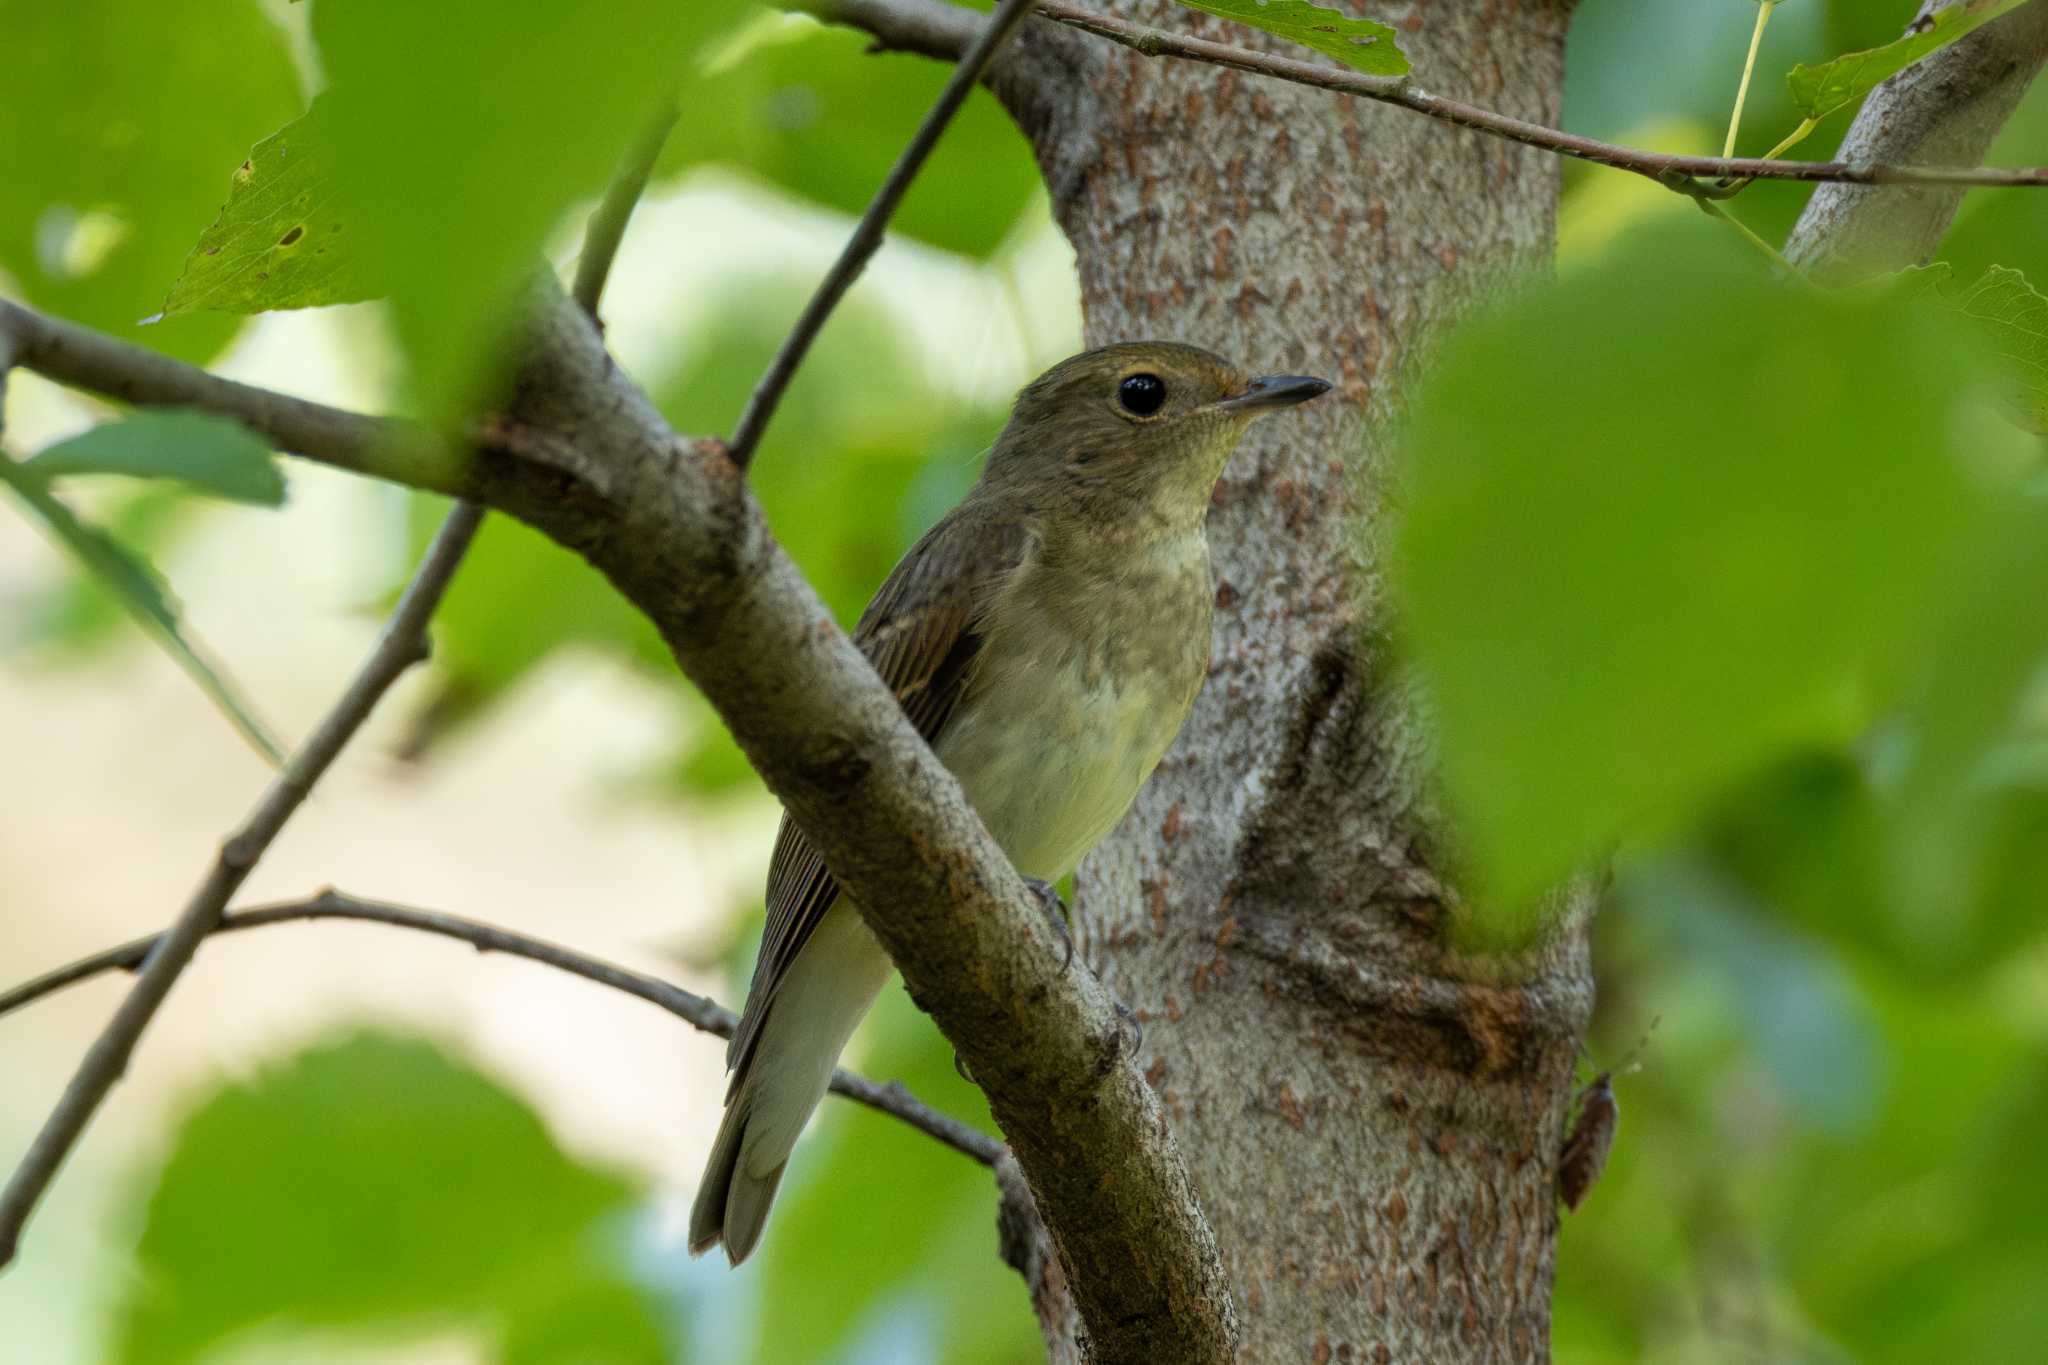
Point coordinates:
[[1047, 639]]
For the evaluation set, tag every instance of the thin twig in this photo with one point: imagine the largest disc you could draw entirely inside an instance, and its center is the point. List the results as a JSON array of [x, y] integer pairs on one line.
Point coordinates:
[[906, 24], [692, 1009], [608, 220], [402, 644], [867, 234]]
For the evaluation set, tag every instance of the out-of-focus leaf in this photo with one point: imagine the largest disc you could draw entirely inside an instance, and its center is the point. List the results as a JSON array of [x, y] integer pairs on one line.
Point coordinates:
[[142, 592], [121, 119], [212, 454], [374, 1184], [808, 108], [279, 241], [1820, 90], [2013, 316], [876, 1214], [1358, 43], [450, 141], [1666, 519]]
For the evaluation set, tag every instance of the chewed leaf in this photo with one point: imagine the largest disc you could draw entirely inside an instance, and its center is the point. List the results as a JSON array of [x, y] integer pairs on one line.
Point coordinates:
[[278, 242], [212, 454], [1358, 43], [2013, 316], [142, 593], [1820, 90]]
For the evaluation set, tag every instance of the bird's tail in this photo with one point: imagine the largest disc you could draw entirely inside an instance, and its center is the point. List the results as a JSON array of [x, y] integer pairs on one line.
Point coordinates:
[[813, 1011]]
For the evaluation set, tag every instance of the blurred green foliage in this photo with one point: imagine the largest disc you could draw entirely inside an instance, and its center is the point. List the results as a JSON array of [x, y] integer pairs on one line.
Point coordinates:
[[1718, 583], [373, 1184]]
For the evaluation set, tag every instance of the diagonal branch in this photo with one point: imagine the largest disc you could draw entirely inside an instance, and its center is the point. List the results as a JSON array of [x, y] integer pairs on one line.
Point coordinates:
[[693, 1009], [402, 644], [1946, 109], [913, 26], [866, 238]]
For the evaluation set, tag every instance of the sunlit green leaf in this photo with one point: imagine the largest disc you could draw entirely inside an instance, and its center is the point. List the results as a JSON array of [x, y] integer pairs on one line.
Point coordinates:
[[121, 120], [141, 591], [374, 1184], [280, 240], [1821, 90], [212, 454], [1358, 43], [449, 143], [1666, 519]]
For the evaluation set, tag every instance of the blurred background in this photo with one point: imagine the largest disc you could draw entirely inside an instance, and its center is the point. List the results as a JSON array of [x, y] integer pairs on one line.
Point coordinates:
[[346, 1143]]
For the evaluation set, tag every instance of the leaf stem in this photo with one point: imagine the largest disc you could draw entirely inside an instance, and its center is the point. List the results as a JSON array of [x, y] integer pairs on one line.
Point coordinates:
[[1756, 38]]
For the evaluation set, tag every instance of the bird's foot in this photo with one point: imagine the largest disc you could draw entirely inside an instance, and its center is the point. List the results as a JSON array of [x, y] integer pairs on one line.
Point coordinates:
[[1128, 1016], [1055, 911]]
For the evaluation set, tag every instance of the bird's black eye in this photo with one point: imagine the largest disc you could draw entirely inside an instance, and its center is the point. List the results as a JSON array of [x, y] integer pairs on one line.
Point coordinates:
[[1143, 394]]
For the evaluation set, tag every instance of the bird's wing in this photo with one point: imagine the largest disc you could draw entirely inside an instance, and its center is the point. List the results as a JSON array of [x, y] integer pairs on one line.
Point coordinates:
[[921, 632]]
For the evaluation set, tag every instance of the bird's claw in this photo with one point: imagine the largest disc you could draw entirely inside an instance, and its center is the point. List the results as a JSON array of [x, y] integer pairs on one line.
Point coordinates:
[[1126, 1015], [1055, 911]]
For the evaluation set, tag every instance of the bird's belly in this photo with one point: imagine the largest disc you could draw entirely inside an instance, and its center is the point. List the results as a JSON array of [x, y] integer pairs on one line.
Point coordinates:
[[1050, 757]]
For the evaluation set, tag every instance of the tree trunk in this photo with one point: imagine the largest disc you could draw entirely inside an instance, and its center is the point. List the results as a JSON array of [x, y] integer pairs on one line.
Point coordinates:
[[1372, 1118]]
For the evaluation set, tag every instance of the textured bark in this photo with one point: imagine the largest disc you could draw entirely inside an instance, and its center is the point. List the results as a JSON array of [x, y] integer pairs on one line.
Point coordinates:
[[1944, 111], [1372, 1120]]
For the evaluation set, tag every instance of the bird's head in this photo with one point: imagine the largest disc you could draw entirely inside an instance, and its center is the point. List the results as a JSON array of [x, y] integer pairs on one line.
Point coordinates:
[[1142, 426]]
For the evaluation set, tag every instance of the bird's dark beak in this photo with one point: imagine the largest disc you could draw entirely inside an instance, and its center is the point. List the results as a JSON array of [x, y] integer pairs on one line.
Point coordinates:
[[1276, 391]]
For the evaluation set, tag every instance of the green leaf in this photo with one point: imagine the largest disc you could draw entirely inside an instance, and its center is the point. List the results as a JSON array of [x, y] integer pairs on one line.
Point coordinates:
[[279, 241], [1820, 90], [449, 144], [119, 120], [1669, 518], [374, 1184], [141, 591], [2012, 315], [212, 454], [1358, 43]]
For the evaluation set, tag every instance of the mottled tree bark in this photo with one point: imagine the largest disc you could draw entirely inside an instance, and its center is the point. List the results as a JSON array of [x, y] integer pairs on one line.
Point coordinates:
[[1371, 1118]]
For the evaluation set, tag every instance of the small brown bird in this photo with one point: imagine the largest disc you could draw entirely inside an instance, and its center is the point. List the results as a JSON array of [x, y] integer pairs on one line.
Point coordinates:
[[1047, 639]]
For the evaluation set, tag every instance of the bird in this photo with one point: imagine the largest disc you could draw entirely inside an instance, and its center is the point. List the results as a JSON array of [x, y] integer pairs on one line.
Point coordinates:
[[1046, 638]]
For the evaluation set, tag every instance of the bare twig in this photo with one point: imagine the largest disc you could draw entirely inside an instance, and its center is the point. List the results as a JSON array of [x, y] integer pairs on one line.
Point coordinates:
[[402, 644], [692, 1009], [867, 234], [608, 221], [907, 24]]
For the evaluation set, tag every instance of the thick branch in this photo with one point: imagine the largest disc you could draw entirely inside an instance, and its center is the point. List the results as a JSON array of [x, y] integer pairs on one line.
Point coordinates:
[[695, 1010], [911, 26], [402, 644], [1946, 110]]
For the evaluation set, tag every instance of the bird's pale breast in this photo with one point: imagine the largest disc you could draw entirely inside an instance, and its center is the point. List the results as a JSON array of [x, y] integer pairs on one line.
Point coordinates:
[[1084, 684]]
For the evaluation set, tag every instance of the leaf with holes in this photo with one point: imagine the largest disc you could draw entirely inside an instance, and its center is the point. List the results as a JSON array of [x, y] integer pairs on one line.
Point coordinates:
[[1821, 90], [142, 593], [1358, 43], [279, 241], [209, 453], [2012, 315]]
